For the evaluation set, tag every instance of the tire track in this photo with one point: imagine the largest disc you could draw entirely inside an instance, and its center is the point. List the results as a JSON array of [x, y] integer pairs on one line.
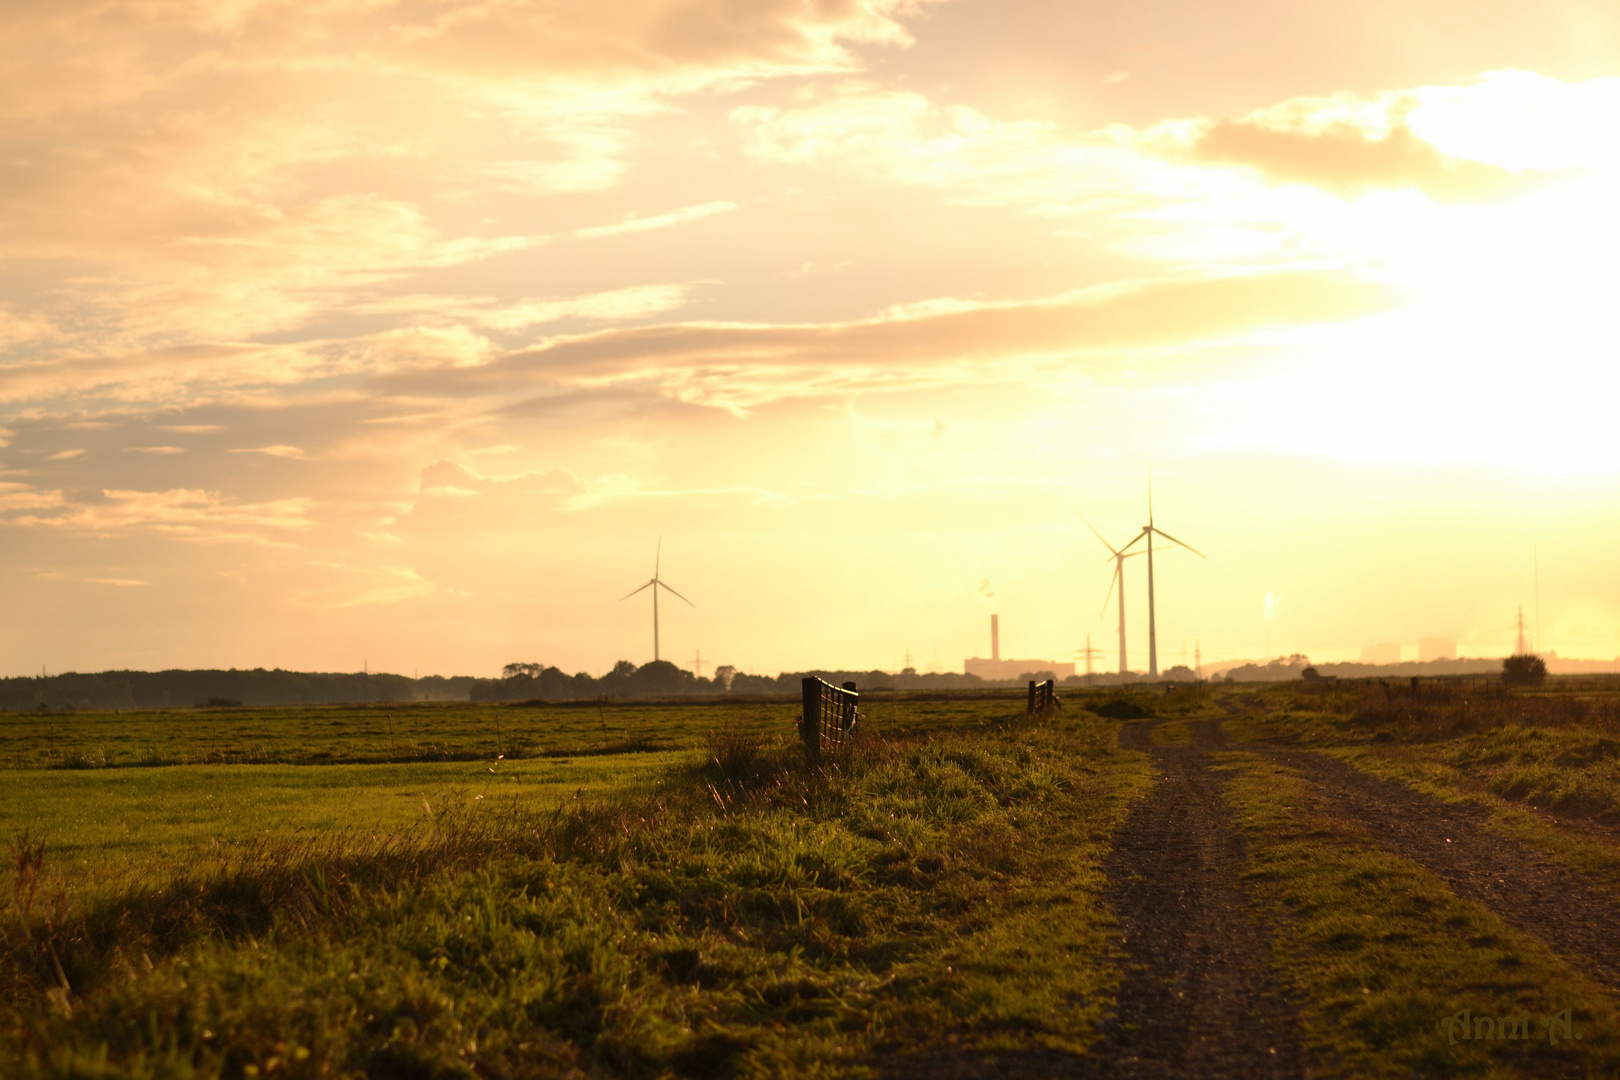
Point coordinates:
[[1199, 997], [1525, 888]]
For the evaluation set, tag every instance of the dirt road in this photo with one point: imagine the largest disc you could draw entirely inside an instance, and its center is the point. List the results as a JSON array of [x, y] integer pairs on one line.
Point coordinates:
[[1199, 998]]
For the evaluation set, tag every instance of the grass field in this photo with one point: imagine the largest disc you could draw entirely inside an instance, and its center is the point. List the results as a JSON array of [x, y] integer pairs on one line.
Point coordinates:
[[109, 827], [736, 912], [671, 890], [370, 734]]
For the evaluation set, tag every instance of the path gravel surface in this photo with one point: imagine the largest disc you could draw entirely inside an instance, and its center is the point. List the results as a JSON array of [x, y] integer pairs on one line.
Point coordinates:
[[1199, 997]]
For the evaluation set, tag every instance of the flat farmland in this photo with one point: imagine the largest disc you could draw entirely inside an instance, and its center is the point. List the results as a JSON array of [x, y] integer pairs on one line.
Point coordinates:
[[107, 828], [371, 734], [1361, 879]]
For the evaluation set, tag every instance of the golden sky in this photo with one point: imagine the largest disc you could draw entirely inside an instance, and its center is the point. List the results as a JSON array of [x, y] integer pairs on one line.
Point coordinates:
[[398, 331]]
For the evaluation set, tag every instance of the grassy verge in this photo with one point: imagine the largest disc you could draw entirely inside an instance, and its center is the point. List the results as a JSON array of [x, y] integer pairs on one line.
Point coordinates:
[[1385, 958], [1544, 766], [751, 917]]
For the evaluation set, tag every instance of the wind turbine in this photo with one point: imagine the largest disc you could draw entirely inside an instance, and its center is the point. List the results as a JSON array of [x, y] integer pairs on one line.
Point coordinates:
[[1119, 556], [655, 584], [1147, 532]]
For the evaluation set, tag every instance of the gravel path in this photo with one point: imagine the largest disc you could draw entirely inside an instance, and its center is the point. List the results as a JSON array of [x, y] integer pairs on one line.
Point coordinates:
[[1525, 888], [1199, 997]]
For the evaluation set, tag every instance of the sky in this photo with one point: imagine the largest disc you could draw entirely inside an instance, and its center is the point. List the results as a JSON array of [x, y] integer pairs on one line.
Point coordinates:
[[407, 333]]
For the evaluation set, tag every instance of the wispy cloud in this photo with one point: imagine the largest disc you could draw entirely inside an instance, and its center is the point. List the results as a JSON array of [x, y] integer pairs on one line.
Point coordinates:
[[744, 365], [635, 224], [181, 513], [272, 451]]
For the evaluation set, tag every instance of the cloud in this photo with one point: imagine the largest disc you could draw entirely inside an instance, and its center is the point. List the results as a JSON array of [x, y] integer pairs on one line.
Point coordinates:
[[1033, 167], [449, 478], [634, 302], [15, 496], [739, 365], [166, 375], [179, 513], [54, 575], [179, 175], [1348, 160], [278, 451], [381, 585], [692, 42], [19, 329], [661, 221]]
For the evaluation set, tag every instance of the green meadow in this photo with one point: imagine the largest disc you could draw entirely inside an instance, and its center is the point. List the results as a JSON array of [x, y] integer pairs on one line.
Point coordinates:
[[673, 890], [372, 734], [108, 826]]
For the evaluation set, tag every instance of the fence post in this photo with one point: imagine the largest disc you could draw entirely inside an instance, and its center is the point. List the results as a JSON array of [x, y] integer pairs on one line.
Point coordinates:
[[810, 723], [1029, 710]]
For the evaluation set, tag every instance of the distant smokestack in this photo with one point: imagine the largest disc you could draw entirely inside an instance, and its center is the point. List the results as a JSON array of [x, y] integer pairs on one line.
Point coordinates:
[[995, 637]]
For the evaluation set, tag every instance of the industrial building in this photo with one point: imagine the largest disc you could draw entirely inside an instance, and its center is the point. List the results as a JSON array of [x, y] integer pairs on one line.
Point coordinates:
[[997, 668]]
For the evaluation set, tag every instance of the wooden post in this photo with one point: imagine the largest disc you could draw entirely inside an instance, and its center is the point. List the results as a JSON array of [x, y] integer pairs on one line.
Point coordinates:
[[1030, 709], [810, 723]]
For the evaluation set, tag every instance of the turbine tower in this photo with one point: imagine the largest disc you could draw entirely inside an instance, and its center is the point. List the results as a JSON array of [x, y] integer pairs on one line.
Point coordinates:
[[655, 584], [1147, 532], [1119, 556]]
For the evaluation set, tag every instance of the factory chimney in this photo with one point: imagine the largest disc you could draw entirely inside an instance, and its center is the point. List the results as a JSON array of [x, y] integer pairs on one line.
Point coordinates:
[[995, 637]]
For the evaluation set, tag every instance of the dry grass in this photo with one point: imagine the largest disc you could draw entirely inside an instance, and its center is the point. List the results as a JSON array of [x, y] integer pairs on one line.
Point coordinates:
[[1435, 711]]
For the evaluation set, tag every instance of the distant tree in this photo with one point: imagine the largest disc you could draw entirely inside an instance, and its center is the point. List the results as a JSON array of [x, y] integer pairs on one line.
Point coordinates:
[[526, 671], [724, 674], [1180, 673], [660, 677], [1310, 673], [623, 669], [744, 683], [1524, 669]]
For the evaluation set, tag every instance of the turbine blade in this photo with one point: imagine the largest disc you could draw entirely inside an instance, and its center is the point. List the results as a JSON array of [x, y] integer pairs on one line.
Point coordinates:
[[633, 592], [666, 588], [1134, 539], [1150, 496], [1095, 533], [1173, 540], [658, 555], [1110, 595]]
